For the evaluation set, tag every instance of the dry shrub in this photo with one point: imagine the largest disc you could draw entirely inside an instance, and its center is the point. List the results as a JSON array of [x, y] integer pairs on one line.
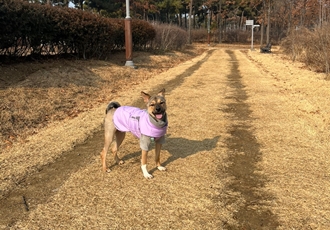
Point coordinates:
[[42, 30], [318, 52], [295, 43], [237, 36], [199, 35], [310, 47], [169, 37]]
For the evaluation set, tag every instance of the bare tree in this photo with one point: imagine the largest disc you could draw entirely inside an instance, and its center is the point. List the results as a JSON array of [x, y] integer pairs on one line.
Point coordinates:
[[220, 21], [190, 17], [268, 22]]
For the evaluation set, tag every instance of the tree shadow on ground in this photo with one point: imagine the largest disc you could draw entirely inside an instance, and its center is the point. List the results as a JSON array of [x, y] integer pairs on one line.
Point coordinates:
[[248, 183]]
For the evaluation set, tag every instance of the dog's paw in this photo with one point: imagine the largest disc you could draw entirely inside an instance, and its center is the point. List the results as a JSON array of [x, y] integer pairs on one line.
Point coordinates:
[[148, 176], [161, 168], [145, 172], [108, 170], [119, 161]]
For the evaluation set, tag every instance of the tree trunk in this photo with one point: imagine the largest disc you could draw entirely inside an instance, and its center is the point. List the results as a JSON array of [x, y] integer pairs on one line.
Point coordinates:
[[220, 22], [189, 29], [180, 19], [262, 28], [263, 23], [268, 23], [290, 17]]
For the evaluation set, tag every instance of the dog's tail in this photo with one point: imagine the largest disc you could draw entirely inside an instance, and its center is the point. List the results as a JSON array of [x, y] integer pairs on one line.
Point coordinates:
[[112, 105]]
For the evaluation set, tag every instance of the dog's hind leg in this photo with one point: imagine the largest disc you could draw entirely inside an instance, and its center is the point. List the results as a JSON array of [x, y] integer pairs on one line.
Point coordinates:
[[109, 134], [120, 136], [108, 138]]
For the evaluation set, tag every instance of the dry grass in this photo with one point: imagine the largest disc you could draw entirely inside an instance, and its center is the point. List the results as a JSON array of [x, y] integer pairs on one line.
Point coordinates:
[[123, 199], [56, 90], [286, 117], [55, 98], [293, 126]]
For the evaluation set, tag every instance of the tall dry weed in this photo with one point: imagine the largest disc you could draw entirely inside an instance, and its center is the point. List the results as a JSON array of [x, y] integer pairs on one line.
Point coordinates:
[[322, 45]]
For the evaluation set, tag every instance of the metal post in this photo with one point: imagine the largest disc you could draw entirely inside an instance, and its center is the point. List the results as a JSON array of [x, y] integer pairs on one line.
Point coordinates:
[[128, 38], [252, 35], [252, 38]]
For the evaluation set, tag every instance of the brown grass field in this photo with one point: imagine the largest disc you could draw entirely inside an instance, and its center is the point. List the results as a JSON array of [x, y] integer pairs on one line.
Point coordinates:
[[247, 145]]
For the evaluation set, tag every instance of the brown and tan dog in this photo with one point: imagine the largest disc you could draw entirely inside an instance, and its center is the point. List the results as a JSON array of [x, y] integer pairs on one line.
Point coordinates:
[[148, 125]]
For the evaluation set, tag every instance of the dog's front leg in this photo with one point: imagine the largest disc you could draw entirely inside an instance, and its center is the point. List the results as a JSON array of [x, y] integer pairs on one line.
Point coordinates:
[[158, 147], [144, 165]]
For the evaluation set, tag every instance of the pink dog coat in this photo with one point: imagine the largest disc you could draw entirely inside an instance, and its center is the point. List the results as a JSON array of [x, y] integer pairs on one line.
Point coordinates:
[[137, 121]]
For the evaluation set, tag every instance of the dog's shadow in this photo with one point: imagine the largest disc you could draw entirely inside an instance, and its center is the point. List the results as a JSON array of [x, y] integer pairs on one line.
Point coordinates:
[[180, 148]]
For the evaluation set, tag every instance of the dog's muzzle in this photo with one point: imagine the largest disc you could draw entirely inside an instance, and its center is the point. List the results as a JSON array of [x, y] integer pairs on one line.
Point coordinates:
[[158, 113]]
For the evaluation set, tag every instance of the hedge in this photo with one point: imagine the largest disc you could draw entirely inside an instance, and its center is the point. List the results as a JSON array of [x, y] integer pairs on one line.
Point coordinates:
[[38, 30]]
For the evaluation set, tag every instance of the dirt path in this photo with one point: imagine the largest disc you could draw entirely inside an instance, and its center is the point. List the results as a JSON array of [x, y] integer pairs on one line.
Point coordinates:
[[247, 148]]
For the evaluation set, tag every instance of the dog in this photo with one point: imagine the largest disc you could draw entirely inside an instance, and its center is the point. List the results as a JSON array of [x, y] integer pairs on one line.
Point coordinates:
[[148, 125]]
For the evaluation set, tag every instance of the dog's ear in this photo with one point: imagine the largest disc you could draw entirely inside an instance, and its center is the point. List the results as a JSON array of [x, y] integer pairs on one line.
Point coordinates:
[[145, 97], [162, 93]]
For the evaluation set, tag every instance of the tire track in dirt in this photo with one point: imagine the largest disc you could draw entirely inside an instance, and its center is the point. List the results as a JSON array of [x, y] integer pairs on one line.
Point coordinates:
[[178, 80], [38, 187], [244, 156]]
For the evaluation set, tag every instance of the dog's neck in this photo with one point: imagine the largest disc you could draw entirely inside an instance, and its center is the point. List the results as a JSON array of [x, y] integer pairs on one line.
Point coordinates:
[[158, 123]]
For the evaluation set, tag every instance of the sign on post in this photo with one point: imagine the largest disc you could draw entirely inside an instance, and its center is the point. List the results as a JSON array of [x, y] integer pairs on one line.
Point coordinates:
[[250, 23]]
